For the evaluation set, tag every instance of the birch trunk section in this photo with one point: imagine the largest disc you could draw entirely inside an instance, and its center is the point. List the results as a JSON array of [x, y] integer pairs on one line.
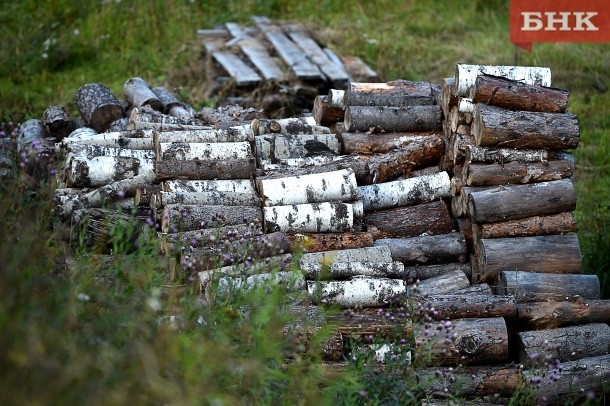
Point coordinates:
[[466, 75]]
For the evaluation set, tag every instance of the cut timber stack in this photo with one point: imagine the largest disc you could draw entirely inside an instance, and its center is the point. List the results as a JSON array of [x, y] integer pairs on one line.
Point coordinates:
[[282, 58]]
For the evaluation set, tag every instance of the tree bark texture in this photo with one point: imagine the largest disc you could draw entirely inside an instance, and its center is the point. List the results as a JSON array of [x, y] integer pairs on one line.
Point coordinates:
[[178, 217], [203, 136], [58, 122], [310, 243], [30, 131], [364, 143], [288, 126], [531, 226], [138, 93], [357, 163], [324, 114], [427, 250], [357, 292], [182, 151], [326, 258], [146, 114], [214, 198], [466, 75], [517, 173], [205, 169], [207, 237], [448, 96], [310, 218], [536, 287], [451, 306], [401, 87], [169, 102], [141, 140], [97, 106], [392, 119], [346, 270], [544, 315], [503, 155], [98, 171], [386, 99], [440, 285], [423, 272]]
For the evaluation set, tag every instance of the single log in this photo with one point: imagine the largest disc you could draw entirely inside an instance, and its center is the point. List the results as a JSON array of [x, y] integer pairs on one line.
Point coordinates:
[[275, 147], [544, 254], [440, 285], [290, 281], [336, 99], [410, 221], [310, 243], [423, 272], [291, 164], [368, 254], [543, 315], [345, 270], [389, 166], [571, 381], [401, 87], [324, 114], [316, 188], [502, 155], [516, 173], [84, 151], [364, 143], [125, 139], [204, 136], [470, 382], [182, 151], [98, 171], [364, 323], [226, 185], [563, 344], [430, 170], [448, 96], [288, 126], [465, 105], [478, 289], [146, 125], [171, 105], [466, 75], [178, 217], [521, 201], [97, 106], [175, 242], [357, 163], [460, 143], [462, 341], [359, 98], [451, 306], [536, 287], [214, 198], [530, 226], [58, 122], [310, 218], [515, 95], [138, 93], [405, 192], [82, 132], [429, 249], [456, 119], [149, 115], [205, 169], [522, 129], [357, 292], [392, 119]]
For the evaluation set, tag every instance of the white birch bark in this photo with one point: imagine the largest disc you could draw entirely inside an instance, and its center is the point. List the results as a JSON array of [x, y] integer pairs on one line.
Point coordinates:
[[295, 163], [466, 75], [465, 105], [291, 126], [291, 281], [145, 125], [315, 188], [357, 292], [276, 147], [82, 132], [309, 218], [346, 270], [228, 185], [182, 151], [405, 192], [99, 171], [315, 260], [214, 198], [336, 98], [210, 135], [91, 151]]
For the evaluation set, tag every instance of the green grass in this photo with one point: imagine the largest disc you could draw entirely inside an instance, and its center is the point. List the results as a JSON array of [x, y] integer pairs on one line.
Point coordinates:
[[57, 348]]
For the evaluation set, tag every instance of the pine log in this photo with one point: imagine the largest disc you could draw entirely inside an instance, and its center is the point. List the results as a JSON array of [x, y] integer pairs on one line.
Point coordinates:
[[516, 173], [98, 171], [203, 136], [563, 344], [462, 341], [448, 95], [337, 270], [466, 75], [367, 254], [451, 306], [470, 382], [138, 93], [310, 243], [515, 95], [522, 129], [502, 155], [387, 99], [175, 242], [429, 249], [536, 287], [214, 198], [310, 218], [182, 151], [392, 119], [530, 226], [393, 164], [544, 315], [410, 221], [521, 201], [423, 272], [357, 292], [364, 143], [58, 122], [178, 217], [97, 106], [478, 289], [440, 285], [205, 169], [363, 323], [405, 192], [288, 126], [465, 226], [571, 382], [324, 114]]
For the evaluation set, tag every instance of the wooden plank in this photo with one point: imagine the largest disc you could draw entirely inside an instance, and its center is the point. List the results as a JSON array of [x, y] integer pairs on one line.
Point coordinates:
[[287, 50], [237, 69]]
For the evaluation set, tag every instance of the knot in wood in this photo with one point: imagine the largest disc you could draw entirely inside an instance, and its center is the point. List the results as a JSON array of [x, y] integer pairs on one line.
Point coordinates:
[[469, 344]]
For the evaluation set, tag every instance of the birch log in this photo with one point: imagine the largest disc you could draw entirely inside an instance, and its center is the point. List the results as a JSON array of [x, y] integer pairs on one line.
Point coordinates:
[[263, 265], [368, 254], [316, 188], [536, 287], [357, 292], [516, 173], [387, 99], [207, 237], [138, 93], [310, 218], [310, 243], [423, 272], [465, 341], [450, 306], [392, 119], [515, 95], [288, 126], [182, 151], [466, 75], [324, 113], [85, 151], [522, 129], [178, 217], [98, 171], [356, 163], [544, 315], [226, 185], [416, 155], [289, 281], [147, 125], [275, 147], [502, 155], [448, 96], [401, 87], [364, 143], [205, 169], [429, 249], [210, 198], [171, 105], [520, 201], [58, 122], [405, 192], [205, 136], [410, 221], [346, 270], [336, 99], [530, 226], [128, 139], [440, 285], [97, 106]]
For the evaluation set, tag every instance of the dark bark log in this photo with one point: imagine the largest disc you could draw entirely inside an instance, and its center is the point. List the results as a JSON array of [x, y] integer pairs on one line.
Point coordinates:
[[543, 315], [176, 242], [515, 95], [430, 249], [410, 221], [393, 119], [522, 129], [202, 170], [288, 126], [536, 287], [463, 341], [402, 87], [521, 201], [440, 285], [451, 306], [459, 204], [530, 226], [543, 254], [423, 272], [364, 143], [97, 106], [478, 289], [502, 155], [517, 173], [58, 122], [324, 114], [386, 99], [171, 105], [448, 96], [371, 322], [330, 241], [465, 226], [177, 217]]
